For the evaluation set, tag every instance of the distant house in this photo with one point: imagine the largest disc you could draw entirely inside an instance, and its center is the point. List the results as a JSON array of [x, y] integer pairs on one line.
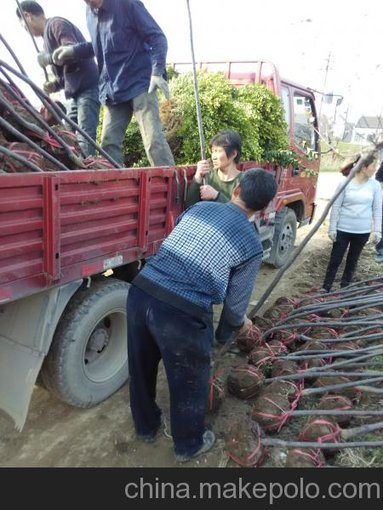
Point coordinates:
[[348, 132], [367, 127]]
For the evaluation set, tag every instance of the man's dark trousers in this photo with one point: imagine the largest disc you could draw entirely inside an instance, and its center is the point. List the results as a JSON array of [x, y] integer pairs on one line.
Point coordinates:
[[158, 330]]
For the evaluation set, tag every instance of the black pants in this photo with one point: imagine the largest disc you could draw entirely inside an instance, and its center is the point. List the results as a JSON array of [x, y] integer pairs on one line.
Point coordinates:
[[355, 244], [158, 330], [379, 246]]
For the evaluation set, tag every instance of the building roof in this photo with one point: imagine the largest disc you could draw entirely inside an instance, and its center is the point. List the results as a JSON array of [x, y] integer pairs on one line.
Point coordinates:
[[370, 122]]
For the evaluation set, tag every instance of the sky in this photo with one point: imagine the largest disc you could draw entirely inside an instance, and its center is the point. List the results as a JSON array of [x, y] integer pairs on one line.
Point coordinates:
[[331, 46]]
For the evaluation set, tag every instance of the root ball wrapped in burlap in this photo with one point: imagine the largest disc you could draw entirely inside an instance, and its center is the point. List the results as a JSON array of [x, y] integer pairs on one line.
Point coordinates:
[[245, 381], [243, 443], [288, 389], [321, 429], [314, 345], [353, 393], [271, 411], [265, 355], [249, 339], [337, 403], [282, 367]]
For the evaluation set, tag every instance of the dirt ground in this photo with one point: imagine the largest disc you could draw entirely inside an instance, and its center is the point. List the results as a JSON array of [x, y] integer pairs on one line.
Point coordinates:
[[57, 435]]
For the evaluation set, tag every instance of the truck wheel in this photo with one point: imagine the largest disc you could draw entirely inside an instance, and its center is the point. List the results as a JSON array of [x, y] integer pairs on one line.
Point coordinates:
[[88, 359], [284, 237]]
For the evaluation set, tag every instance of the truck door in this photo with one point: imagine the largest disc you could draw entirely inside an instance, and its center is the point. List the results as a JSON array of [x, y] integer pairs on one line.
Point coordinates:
[[301, 118]]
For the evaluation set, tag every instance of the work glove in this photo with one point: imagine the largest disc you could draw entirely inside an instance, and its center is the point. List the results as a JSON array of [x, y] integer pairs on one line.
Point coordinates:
[[63, 55], [246, 326], [158, 82], [51, 86], [332, 235], [44, 59], [377, 237]]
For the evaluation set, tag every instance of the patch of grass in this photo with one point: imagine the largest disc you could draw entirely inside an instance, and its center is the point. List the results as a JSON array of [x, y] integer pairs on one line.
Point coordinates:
[[360, 457]]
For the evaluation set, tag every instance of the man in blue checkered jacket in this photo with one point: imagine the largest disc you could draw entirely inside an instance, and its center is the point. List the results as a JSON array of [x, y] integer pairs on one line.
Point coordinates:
[[212, 256]]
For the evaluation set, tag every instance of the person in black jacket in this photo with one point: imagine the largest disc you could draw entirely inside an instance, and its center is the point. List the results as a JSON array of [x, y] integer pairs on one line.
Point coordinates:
[[379, 246], [78, 79]]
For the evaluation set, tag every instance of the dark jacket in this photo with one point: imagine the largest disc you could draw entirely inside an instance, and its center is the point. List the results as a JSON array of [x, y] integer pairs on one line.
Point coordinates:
[[75, 77], [129, 48]]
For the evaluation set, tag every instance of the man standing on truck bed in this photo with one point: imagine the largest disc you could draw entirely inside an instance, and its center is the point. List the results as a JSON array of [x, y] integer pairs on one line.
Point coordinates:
[[212, 256], [78, 78], [131, 50]]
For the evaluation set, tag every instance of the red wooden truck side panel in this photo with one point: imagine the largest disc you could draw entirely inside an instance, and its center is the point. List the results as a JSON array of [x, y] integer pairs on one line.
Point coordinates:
[[55, 228]]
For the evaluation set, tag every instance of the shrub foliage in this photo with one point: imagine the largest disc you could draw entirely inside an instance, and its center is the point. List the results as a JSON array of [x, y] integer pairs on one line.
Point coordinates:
[[251, 110]]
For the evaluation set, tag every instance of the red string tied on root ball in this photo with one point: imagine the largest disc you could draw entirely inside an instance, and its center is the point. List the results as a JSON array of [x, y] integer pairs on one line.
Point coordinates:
[[287, 336], [324, 332], [321, 430], [284, 300], [308, 457], [261, 356]]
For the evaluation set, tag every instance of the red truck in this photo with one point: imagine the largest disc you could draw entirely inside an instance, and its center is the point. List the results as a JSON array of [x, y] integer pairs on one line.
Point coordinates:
[[70, 243]]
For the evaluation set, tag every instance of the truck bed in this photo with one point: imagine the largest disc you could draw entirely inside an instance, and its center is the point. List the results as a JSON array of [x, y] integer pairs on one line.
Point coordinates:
[[58, 227]]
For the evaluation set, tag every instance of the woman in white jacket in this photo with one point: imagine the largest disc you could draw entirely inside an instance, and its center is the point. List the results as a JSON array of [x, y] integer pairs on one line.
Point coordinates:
[[354, 215]]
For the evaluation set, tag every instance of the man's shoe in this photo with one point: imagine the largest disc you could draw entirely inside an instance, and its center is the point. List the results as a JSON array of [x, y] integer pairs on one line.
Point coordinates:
[[150, 438], [208, 440]]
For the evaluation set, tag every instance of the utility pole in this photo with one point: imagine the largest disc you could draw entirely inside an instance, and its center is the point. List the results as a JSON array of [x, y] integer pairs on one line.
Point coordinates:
[[325, 81]]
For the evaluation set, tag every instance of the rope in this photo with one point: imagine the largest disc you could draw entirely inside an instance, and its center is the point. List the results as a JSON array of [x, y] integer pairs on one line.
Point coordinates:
[[314, 455]]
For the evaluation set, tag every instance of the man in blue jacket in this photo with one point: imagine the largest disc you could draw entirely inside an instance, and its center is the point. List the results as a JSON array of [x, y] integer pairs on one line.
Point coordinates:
[[131, 50], [78, 77]]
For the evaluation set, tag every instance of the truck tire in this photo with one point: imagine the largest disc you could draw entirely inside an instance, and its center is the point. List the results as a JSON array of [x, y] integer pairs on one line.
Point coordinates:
[[284, 237], [88, 360]]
